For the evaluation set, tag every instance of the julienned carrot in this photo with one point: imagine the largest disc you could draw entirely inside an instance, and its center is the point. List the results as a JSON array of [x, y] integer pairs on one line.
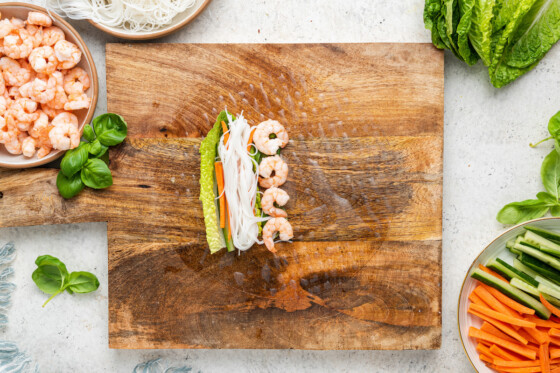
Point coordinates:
[[504, 354], [528, 337], [508, 301], [500, 316], [553, 332], [554, 352], [225, 130], [540, 336], [555, 341], [516, 370], [219, 168], [485, 358], [550, 307], [476, 299], [486, 351], [544, 357], [517, 348], [542, 323], [488, 270], [499, 329], [494, 303], [250, 139], [517, 364]]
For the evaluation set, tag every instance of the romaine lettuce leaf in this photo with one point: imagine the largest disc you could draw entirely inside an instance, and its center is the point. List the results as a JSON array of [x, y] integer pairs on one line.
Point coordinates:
[[480, 33], [432, 10], [207, 194], [466, 50]]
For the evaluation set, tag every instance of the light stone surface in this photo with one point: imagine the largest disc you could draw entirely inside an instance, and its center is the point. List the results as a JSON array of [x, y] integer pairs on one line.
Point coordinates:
[[487, 163]]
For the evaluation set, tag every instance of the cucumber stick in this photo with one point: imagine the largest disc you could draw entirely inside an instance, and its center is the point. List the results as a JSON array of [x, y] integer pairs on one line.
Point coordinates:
[[555, 302], [540, 267], [510, 272], [542, 256], [548, 290], [542, 243], [548, 283], [522, 285], [512, 292], [523, 268], [549, 235]]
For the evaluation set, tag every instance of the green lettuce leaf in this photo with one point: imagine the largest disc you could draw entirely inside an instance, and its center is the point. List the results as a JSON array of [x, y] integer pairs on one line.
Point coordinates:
[[538, 32], [480, 33], [466, 50], [505, 14], [207, 194], [432, 10]]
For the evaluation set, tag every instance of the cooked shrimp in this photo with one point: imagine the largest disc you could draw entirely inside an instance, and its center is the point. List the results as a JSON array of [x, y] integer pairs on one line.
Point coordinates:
[[262, 139], [36, 33], [25, 65], [41, 91], [13, 93], [17, 23], [14, 74], [50, 111], [28, 146], [24, 110], [271, 196], [18, 45], [52, 35], [60, 98], [77, 102], [280, 225], [13, 143], [2, 84], [76, 81], [267, 167], [4, 105], [64, 136], [5, 27], [43, 151], [43, 60], [40, 19], [40, 128], [67, 53]]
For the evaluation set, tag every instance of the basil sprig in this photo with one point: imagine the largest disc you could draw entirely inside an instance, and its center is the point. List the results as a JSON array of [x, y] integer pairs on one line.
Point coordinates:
[[518, 212], [52, 277], [87, 165]]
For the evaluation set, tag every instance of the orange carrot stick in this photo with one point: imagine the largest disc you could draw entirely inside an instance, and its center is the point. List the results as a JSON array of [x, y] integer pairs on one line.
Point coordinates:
[[540, 336], [222, 198], [504, 354], [488, 270], [516, 370], [504, 332], [508, 301], [517, 364], [517, 348], [555, 341], [502, 317], [485, 358], [553, 332], [555, 311], [225, 130], [544, 357], [494, 303], [554, 352], [486, 351], [250, 139], [476, 299]]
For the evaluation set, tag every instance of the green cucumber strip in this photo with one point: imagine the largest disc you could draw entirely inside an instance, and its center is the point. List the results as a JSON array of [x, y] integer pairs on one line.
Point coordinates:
[[510, 243], [549, 235], [542, 243], [523, 268], [548, 283], [555, 302], [543, 257], [522, 285], [511, 292], [541, 268], [510, 272], [548, 290]]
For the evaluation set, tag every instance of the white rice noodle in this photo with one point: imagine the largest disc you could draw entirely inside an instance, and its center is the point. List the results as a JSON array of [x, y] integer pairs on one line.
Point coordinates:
[[240, 184], [130, 15]]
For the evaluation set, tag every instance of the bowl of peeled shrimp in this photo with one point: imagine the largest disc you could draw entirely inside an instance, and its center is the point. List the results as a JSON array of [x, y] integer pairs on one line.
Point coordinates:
[[48, 86]]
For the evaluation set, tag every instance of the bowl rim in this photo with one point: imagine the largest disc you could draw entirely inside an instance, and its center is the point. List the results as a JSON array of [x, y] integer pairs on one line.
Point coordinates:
[[154, 34], [471, 266], [94, 78]]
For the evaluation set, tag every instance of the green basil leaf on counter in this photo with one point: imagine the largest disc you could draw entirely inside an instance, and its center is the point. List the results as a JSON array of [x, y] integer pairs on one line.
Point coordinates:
[[96, 174], [547, 198], [555, 211], [517, 212], [550, 173], [111, 129], [554, 125], [97, 149], [88, 133], [82, 282], [50, 276], [69, 187], [74, 159]]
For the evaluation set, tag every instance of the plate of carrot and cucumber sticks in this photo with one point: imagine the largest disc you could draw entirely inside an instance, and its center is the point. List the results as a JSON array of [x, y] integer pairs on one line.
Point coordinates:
[[509, 304]]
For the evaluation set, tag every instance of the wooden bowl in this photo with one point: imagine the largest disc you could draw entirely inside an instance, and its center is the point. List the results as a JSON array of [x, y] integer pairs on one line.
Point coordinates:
[[178, 22], [497, 248], [20, 10]]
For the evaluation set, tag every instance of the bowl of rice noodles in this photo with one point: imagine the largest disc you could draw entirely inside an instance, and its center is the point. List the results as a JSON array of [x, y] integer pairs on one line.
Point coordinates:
[[131, 19]]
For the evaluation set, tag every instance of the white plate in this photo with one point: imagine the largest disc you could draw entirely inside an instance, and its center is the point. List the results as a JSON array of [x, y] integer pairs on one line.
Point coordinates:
[[496, 248]]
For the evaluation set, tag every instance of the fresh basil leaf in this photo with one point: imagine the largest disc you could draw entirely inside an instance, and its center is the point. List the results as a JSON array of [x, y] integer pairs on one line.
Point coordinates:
[[111, 129], [82, 282], [550, 173], [51, 274], [518, 212], [555, 210], [97, 149], [74, 160], [96, 174], [88, 133], [554, 125], [547, 198], [105, 158], [68, 187]]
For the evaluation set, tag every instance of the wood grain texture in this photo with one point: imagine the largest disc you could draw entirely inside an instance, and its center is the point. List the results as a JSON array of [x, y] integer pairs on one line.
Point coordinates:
[[365, 178]]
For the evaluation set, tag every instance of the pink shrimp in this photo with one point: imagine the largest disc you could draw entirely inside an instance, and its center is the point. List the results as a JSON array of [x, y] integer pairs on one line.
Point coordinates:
[[77, 102], [76, 81], [14, 74], [17, 23], [6, 27], [28, 146], [39, 19], [280, 225], [50, 111], [18, 44], [267, 167], [43, 60], [36, 33], [24, 111], [67, 53], [13, 143], [270, 197], [65, 134], [52, 35], [60, 99], [42, 91]]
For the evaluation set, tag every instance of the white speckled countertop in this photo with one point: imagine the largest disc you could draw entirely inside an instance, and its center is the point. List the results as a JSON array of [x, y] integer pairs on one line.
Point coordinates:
[[487, 163]]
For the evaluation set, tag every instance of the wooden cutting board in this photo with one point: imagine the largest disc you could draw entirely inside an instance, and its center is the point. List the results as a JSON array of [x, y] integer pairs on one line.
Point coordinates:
[[365, 157]]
